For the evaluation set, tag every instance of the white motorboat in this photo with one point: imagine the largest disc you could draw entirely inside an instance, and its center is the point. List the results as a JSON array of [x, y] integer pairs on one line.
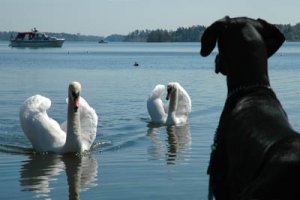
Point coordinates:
[[35, 39]]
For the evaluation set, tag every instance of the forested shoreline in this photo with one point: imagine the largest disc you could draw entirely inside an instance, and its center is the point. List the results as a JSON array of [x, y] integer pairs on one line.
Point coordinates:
[[181, 34], [194, 33]]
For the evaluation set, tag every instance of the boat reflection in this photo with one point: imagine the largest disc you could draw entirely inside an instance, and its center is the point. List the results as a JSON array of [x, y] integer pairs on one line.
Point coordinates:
[[39, 171], [178, 143]]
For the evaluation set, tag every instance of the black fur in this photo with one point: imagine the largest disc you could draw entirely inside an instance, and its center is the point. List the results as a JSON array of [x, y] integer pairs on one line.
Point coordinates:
[[256, 152]]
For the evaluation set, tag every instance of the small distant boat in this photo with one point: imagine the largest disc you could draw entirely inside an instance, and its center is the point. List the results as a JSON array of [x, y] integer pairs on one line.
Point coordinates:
[[102, 42], [35, 39], [136, 64]]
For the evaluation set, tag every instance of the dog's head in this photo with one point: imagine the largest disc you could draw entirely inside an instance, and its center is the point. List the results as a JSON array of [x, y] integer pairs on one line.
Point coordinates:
[[241, 41]]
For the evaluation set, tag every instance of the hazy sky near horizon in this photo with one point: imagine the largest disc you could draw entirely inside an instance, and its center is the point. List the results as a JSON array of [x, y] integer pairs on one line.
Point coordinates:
[[105, 17]]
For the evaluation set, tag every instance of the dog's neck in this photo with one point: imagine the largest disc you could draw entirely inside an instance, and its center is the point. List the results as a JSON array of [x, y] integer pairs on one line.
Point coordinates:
[[246, 66], [242, 89], [242, 82], [253, 72]]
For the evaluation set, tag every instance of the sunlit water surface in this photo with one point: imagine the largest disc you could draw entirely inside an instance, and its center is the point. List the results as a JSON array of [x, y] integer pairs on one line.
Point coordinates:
[[131, 158]]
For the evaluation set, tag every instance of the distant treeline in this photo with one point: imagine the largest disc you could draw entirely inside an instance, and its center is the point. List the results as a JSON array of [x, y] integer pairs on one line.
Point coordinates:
[[190, 34], [291, 33], [194, 33]]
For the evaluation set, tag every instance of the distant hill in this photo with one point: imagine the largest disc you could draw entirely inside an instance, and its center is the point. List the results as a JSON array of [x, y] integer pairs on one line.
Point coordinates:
[[76, 37], [189, 34], [68, 37], [115, 38]]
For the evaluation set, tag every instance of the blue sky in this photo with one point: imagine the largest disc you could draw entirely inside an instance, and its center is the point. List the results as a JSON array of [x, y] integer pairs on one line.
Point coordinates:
[[105, 17]]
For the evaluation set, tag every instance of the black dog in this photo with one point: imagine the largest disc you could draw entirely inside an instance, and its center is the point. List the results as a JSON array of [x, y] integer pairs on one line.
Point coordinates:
[[256, 152]]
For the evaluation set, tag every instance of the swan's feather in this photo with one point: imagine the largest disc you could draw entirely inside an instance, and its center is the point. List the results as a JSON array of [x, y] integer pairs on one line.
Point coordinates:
[[155, 106], [88, 123], [43, 132]]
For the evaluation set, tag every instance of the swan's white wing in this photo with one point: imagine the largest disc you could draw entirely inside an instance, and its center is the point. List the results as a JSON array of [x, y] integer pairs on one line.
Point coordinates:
[[88, 124], [156, 111], [43, 132], [157, 91], [156, 108], [184, 103]]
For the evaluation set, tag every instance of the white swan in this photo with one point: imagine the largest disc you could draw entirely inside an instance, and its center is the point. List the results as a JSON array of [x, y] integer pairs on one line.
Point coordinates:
[[77, 134], [178, 109]]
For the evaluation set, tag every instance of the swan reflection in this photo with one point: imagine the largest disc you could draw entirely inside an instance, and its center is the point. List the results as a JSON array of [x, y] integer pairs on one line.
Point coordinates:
[[39, 171], [178, 143]]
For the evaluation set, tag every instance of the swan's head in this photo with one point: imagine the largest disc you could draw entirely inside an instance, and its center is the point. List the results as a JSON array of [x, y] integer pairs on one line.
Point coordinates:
[[74, 94], [172, 89]]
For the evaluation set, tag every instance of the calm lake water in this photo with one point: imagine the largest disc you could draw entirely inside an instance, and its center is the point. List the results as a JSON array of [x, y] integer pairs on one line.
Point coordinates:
[[131, 159]]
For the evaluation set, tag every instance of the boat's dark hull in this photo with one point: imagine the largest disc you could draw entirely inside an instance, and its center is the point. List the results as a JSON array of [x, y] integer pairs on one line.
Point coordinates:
[[37, 43]]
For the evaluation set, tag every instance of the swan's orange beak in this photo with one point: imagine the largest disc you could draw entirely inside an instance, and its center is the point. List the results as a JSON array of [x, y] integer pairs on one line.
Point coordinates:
[[76, 103]]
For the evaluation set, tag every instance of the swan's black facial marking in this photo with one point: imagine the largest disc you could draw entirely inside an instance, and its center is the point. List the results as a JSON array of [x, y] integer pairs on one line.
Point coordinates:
[[76, 102], [75, 94], [170, 89]]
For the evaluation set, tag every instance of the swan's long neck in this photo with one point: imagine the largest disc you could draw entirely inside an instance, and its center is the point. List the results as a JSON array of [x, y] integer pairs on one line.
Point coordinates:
[[173, 101], [73, 139], [172, 107]]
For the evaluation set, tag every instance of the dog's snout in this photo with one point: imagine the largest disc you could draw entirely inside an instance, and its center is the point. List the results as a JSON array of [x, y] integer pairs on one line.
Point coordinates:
[[220, 65], [217, 64]]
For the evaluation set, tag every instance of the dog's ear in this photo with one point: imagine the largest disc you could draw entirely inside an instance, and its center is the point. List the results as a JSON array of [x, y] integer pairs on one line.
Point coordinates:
[[272, 36], [210, 36]]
